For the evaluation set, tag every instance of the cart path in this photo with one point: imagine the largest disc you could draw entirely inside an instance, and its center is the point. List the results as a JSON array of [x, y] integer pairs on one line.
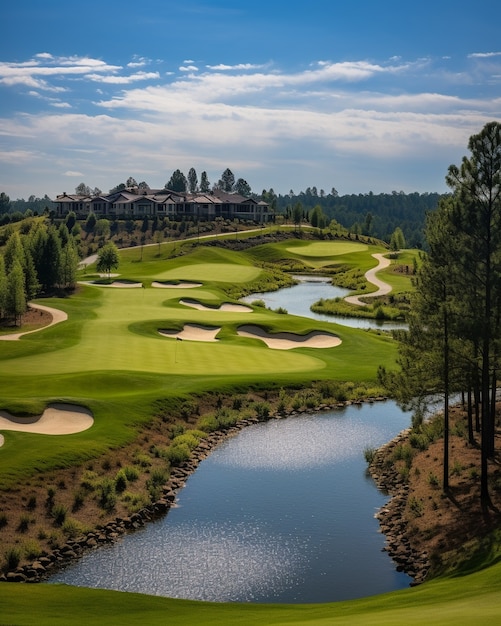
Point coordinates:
[[370, 275]]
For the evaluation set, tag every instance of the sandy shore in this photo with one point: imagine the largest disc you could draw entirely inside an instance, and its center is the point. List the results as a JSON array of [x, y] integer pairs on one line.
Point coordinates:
[[287, 341], [193, 332], [226, 306], [57, 419]]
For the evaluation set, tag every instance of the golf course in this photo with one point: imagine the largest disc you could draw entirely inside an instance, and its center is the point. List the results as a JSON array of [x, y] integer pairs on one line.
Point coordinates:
[[131, 349]]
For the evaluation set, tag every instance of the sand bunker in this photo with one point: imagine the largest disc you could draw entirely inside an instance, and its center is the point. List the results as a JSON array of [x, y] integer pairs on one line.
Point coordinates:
[[57, 419], [57, 316], [121, 284], [193, 332], [287, 341], [226, 306], [175, 285]]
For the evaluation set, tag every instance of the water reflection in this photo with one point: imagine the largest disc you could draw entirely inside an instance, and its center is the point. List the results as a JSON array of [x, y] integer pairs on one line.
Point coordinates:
[[298, 299], [283, 512]]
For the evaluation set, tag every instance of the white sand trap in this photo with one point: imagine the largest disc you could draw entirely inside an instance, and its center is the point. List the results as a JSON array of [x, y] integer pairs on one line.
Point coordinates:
[[120, 284], [57, 419], [57, 316], [287, 341], [175, 286], [226, 306], [193, 332]]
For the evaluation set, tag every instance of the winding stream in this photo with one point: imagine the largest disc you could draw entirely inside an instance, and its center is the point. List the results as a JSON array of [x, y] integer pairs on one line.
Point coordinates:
[[298, 299]]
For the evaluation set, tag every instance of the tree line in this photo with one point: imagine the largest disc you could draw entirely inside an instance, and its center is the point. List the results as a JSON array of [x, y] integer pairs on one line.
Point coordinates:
[[38, 259], [453, 344]]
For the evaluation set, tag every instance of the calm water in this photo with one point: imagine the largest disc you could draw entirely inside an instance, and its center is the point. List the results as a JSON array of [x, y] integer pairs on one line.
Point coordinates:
[[298, 299], [283, 512]]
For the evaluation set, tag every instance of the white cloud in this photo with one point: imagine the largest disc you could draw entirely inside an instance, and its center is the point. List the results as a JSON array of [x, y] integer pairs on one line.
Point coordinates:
[[123, 80], [483, 55], [221, 67], [256, 119], [34, 74]]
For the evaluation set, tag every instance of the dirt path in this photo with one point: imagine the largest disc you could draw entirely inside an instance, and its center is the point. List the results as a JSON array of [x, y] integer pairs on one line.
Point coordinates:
[[383, 288]]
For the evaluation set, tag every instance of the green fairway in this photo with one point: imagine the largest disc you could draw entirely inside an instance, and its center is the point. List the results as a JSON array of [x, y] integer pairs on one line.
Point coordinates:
[[326, 248], [466, 601]]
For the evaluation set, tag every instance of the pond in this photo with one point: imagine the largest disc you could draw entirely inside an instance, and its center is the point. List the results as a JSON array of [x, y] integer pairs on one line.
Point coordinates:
[[298, 299], [282, 512]]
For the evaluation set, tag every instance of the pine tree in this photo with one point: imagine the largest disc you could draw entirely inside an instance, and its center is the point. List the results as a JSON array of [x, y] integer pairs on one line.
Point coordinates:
[[16, 298]]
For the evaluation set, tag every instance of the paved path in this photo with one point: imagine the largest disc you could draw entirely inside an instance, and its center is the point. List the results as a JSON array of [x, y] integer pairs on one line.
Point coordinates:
[[57, 316], [383, 288]]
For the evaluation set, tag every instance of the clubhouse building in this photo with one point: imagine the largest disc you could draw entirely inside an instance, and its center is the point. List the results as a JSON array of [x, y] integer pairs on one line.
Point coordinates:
[[136, 203]]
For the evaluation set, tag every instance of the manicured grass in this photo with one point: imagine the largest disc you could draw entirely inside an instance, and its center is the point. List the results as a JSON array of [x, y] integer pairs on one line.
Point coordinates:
[[467, 600], [110, 357]]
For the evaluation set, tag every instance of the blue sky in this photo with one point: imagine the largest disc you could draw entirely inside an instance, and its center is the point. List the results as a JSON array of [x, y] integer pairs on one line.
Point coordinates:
[[360, 95]]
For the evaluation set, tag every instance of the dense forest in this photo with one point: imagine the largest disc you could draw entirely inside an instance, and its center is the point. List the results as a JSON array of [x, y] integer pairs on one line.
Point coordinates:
[[367, 214]]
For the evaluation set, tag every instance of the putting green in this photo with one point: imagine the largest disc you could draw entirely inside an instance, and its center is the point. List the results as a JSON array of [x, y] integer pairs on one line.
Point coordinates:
[[326, 248], [108, 342], [215, 272]]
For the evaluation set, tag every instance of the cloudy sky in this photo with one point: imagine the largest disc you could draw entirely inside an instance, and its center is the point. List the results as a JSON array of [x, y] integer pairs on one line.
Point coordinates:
[[358, 95]]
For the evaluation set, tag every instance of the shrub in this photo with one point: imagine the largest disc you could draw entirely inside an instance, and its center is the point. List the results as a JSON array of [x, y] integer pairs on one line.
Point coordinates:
[[369, 454], [419, 441], [237, 404], [120, 481], [142, 459], [131, 473], [208, 423], [262, 410], [3, 520], [107, 495], [90, 480], [24, 522], [78, 500], [134, 501], [32, 503], [433, 479], [416, 506], [177, 454], [32, 549], [403, 452], [59, 512], [72, 528], [13, 557]]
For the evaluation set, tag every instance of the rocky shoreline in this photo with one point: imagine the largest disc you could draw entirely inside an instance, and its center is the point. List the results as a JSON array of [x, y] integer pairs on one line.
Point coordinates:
[[390, 516]]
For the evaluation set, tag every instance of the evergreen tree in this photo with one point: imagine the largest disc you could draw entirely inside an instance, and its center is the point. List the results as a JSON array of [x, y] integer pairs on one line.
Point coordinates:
[[227, 181], [177, 182], [69, 265], [16, 297], [49, 268], [3, 288], [476, 217], [192, 180], [204, 183]]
